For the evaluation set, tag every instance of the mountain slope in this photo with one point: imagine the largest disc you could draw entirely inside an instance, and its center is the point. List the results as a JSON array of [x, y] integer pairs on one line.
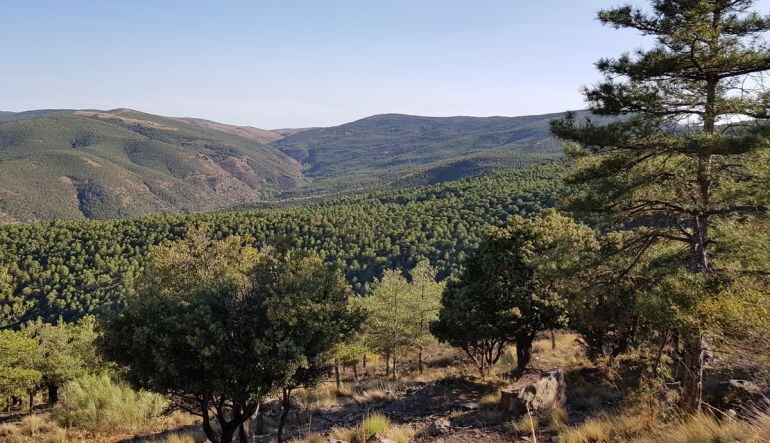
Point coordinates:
[[107, 164], [249, 132], [392, 141]]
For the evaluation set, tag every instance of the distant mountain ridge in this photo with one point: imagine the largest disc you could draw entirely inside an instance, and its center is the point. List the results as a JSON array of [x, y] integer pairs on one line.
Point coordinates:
[[107, 164], [67, 163], [392, 140]]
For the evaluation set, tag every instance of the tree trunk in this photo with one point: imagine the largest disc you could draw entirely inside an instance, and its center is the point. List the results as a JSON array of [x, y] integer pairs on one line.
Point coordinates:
[[355, 370], [363, 361], [523, 354], [395, 373], [286, 403], [387, 364], [242, 434], [337, 376], [228, 432], [553, 340], [31, 402], [207, 429], [481, 363], [53, 394], [260, 420], [692, 376], [419, 360]]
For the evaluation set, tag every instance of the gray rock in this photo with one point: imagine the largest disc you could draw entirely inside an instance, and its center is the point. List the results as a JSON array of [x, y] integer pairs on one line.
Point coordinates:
[[440, 426], [469, 406], [378, 438], [535, 393]]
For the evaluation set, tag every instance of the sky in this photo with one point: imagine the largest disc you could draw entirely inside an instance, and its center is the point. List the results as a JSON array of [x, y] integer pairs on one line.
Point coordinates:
[[291, 63]]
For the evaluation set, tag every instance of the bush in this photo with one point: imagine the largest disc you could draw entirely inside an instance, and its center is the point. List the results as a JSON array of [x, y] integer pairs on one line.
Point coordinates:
[[96, 403], [374, 424]]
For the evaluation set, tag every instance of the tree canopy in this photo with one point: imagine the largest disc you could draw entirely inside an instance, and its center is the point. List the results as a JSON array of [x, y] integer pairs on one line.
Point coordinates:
[[683, 155]]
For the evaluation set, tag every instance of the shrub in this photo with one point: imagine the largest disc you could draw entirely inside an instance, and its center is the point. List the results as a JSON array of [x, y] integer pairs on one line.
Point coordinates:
[[374, 424], [96, 403]]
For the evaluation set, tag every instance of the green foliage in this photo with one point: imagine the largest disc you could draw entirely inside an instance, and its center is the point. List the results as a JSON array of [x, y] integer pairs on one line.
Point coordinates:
[[400, 311], [511, 288], [383, 144], [63, 351], [18, 354], [425, 301], [688, 158], [235, 336], [74, 268], [96, 403], [389, 328]]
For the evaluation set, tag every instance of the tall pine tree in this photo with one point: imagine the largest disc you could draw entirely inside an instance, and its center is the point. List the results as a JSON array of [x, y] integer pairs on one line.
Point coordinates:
[[685, 148]]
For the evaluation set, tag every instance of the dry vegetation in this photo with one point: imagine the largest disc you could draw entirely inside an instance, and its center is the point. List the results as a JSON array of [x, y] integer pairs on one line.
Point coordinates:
[[402, 409]]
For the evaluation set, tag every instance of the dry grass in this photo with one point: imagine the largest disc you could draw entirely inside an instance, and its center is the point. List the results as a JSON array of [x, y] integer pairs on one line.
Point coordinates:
[[568, 351], [525, 425], [491, 400], [699, 428], [372, 424], [400, 433], [606, 428], [707, 428], [312, 438], [35, 428], [186, 437]]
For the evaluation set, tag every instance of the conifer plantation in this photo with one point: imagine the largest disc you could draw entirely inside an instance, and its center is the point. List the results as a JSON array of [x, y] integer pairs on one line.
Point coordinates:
[[409, 279]]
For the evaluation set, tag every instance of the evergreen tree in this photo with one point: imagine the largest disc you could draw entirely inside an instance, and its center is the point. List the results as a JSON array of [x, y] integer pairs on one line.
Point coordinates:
[[511, 288], [425, 301], [18, 374], [390, 328], [685, 150]]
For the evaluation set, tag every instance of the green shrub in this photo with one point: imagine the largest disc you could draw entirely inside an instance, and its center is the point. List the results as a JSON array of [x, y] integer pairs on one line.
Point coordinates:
[[374, 424], [97, 403]]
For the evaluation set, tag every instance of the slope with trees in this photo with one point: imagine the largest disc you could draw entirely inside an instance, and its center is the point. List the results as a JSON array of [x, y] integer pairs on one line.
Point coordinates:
[[73, 268]]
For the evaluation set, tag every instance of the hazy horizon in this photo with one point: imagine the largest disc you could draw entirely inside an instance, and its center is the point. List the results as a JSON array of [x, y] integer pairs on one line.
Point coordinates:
[[302, 63]]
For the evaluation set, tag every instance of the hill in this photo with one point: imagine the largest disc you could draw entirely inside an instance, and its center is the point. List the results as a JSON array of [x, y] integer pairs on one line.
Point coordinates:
[[65, 163], [70, 268], [107, 164], [382, 144], [249, 132]]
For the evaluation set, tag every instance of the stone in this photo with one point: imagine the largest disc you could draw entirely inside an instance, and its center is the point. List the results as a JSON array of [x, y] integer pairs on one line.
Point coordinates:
[[379, 438], [535, 393], [440, 426], [469, 406], [736, 393]]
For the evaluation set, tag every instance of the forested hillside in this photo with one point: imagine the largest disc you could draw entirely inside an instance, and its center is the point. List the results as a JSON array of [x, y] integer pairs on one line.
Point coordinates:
[[72, 268], [93, 164], [392, 141], [69, 164]]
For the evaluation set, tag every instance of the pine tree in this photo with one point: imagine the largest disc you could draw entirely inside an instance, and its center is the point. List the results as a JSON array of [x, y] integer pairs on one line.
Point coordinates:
[[426, 301], [685, 148]]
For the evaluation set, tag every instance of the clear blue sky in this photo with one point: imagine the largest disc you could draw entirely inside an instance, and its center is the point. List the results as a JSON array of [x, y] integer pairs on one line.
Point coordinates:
[[304, 63]]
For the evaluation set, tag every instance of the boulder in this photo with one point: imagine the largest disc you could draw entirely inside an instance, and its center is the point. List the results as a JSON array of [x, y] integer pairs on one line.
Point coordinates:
[[736, 394], [535, 393]]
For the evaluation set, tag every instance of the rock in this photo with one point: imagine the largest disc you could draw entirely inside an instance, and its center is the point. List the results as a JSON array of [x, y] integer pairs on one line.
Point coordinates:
[[734, 394], [534, 393], [469, 406], [440, 426], [379, 438]]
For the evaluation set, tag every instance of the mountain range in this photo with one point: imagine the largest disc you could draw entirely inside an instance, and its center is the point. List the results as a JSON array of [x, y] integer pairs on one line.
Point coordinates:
[[57, 164]]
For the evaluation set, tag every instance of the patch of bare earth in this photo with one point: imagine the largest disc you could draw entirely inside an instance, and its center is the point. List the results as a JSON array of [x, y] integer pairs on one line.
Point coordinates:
[[124, 120]]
